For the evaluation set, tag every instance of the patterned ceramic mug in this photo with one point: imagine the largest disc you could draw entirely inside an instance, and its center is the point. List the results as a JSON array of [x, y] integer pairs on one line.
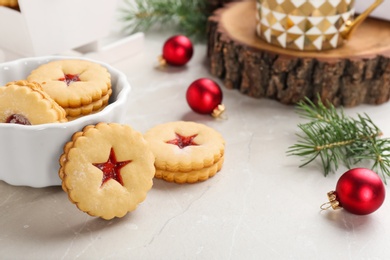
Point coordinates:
[[308, 25]]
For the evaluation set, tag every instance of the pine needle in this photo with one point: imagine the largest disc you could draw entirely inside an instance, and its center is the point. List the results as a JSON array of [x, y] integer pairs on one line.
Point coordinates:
[[183, 16], [337, 139]]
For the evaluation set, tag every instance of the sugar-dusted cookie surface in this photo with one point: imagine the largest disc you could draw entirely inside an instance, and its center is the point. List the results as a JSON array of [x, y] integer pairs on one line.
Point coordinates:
[[186, 151], [22, 102], [107, 169], [73, 84]]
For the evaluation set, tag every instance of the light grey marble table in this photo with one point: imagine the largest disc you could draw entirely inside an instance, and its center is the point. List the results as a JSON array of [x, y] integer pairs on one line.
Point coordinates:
[[261, 205]]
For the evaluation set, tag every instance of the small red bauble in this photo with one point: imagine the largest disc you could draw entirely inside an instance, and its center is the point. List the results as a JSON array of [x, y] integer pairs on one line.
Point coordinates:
[[359, 191], [177, 50], [204, 96]]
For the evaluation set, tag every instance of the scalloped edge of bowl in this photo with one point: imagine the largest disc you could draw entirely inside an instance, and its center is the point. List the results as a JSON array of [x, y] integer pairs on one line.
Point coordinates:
[[28, 141]]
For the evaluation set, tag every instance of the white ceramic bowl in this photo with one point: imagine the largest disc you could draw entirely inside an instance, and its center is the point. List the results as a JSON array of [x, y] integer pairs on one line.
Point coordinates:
[[29, 155]]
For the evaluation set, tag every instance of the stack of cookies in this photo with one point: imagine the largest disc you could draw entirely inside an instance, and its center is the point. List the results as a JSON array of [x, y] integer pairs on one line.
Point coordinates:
[[80, 87], [186, 152], [108, 168], [69, 88]]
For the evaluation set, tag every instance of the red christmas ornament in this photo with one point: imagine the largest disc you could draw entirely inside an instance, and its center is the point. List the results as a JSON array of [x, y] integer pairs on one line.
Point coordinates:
[[204, 96], [177, 51], [359, 191]]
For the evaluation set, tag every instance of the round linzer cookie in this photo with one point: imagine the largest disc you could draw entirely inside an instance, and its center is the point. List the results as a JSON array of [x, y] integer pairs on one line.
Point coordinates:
[[73, 84], [186, 152], [9, 3], [107, 169], [88, 109], [26, 103]]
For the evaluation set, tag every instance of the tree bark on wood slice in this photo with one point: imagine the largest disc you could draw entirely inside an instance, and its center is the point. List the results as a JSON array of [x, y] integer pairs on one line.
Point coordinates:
[[357, 72], [214, 4]]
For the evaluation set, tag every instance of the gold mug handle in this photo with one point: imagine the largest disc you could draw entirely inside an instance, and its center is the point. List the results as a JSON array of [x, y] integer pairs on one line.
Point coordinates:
[[351, 26]]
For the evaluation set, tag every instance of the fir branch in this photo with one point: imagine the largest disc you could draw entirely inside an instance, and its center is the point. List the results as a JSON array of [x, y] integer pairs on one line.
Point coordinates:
[[337, 139], [187, 17]]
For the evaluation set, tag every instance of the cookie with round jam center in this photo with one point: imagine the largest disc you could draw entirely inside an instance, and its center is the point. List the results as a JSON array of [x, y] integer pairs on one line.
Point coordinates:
[[18, 119], [25, 103]]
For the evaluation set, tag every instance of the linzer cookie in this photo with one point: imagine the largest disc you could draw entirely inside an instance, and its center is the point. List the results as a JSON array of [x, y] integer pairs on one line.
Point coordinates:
[[9, 3], [76, 85], [186, 152], [107, 169], [90, 108], [22, 102]]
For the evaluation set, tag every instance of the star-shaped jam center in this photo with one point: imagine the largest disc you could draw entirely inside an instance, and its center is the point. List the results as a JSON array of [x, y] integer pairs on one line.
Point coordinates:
[[111, 168], [183, 141], [69, 78]]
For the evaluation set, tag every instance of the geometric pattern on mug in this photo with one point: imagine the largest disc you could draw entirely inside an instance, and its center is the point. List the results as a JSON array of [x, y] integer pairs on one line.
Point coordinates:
[[303, 24]]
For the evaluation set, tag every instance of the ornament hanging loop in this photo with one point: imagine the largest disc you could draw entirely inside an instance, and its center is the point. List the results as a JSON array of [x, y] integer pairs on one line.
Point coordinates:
[[333, 202], [326, 205]]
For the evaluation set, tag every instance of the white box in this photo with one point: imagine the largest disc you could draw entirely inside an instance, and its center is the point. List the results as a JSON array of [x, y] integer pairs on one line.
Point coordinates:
[[381, 12], [45, 27]]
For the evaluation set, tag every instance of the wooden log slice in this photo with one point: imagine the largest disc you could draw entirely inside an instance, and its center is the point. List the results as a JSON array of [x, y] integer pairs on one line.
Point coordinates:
[[356, 73], [214, 4]]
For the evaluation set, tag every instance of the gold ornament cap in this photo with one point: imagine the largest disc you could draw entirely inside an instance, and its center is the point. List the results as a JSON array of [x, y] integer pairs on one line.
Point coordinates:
[[218, 111], [333, 202]]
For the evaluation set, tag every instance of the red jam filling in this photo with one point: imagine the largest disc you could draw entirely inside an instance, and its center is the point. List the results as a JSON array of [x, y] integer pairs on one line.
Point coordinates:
[[18, 119], [69, 78], [111, 168], [183, 141]]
